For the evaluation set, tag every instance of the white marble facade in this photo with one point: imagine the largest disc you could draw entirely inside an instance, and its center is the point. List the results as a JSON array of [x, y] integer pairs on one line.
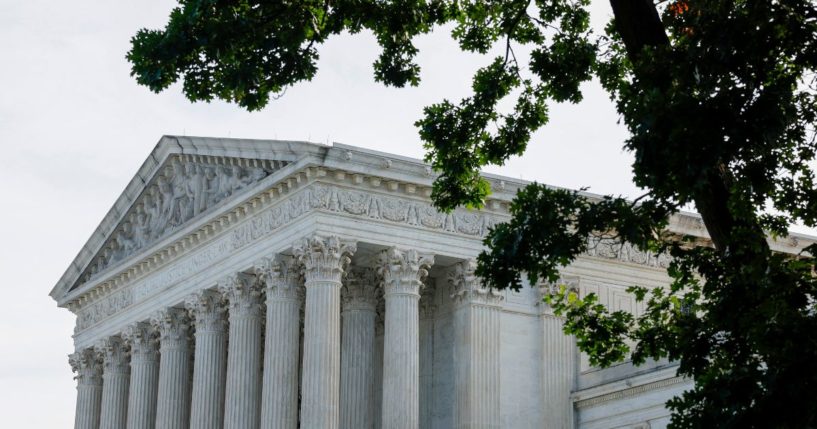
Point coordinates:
[[271, 284]]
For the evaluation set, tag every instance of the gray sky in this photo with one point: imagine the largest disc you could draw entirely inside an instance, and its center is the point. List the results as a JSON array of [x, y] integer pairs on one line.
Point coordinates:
[[74, 128]]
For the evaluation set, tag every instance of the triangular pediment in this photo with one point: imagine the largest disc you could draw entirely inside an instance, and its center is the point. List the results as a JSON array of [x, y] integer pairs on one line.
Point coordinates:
[[185, 187], [183, 179]]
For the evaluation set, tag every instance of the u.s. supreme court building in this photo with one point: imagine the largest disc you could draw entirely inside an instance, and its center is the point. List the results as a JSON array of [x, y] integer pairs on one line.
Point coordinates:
[[275, 284]]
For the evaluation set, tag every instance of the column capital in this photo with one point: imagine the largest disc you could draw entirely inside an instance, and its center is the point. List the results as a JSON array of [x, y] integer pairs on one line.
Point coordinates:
[[142, 339], [324, 258], [172, 324], [88, 366], [468, 287], [281, 276], [243, 294], [114, 354], [403, 271], [207, 310], [360, 289], [543, 290]]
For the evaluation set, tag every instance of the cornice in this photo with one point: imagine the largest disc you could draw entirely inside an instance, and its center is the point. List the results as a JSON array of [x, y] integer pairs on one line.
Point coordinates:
[[658, 378], [629, 392]]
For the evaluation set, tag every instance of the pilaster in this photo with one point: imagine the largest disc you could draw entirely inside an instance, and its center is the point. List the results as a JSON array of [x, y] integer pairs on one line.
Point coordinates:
[[144, 375], [173, 398], [403, 272], [282, 279], [477, 314], [207, 311], [88, 367], [115, 380], [242, 408], [558, 367], [325, 260]]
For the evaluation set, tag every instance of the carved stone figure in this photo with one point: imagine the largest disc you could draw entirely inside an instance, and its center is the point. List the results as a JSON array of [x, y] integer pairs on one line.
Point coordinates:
[[195, 189], [225, 185], [179, 201], [140, 228], [166, 191], [152, 210], [212, 186]]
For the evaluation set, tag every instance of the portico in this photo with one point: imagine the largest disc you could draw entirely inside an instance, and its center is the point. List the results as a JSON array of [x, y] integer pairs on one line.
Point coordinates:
[[269, 284]]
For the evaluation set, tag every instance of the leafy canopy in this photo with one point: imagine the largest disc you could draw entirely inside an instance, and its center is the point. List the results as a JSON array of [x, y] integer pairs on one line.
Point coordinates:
[[719, 100]]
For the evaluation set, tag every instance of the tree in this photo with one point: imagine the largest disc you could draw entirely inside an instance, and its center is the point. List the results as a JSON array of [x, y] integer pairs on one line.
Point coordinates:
[[719, 100]]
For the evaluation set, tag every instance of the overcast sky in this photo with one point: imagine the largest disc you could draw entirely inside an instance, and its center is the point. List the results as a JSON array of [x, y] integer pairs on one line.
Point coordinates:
[[74, 128]]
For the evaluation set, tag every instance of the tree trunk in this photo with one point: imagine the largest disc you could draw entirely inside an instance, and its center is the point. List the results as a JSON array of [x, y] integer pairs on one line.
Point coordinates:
[[639, 25]]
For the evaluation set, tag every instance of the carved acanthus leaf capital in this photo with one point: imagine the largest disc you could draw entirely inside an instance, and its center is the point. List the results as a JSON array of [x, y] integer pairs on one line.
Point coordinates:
[[142, 338], [208, 310], [87, 364], [282, 276], [114, 353], [324, 258], [403, 271], [543, 290], [173, 325], [243, 294], [468, 287], [360, 290]]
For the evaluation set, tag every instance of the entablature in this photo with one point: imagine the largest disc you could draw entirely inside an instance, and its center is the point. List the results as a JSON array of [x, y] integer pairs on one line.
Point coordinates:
[[261, 211]]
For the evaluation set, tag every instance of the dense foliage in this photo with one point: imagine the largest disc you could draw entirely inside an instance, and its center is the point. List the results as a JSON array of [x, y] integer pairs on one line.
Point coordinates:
[[719, 100]]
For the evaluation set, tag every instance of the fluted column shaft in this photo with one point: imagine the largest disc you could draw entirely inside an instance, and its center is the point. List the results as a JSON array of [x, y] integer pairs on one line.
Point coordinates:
[[115, 381], [144, 375], [321, 375], [88, 367], [279, 395], [210, 363], [324, 261], [173, 400], [477, 313], [357, 351], [402, 273], [242, 407]]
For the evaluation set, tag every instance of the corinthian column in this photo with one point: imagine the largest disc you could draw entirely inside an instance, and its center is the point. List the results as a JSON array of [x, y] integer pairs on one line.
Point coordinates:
[[173, 400], [477, 313], [115, 380], [402, 272], [279, 394], [357, 350], [210, 363], [144, 375], [558, 362], [324, 261], [242, 408], [87, 365]]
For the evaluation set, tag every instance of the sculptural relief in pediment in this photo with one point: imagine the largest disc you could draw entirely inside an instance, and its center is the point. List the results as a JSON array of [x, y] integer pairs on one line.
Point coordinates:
[[185, 187]]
